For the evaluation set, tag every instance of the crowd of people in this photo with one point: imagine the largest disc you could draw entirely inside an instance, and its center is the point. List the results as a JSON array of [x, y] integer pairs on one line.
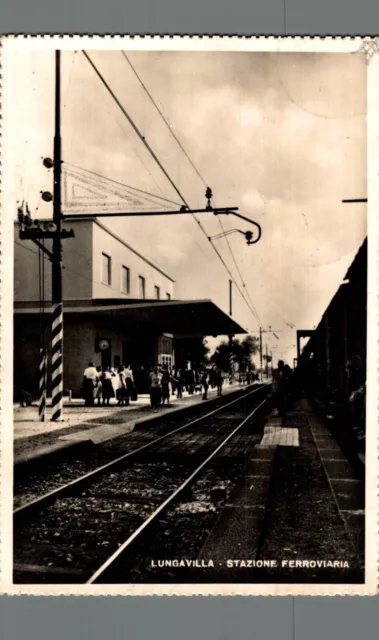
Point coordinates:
[[164, 381], [100, 385]]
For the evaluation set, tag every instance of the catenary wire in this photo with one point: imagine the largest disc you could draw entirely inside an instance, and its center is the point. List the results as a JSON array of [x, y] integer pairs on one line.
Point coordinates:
[[155, 157], [163, 117], [136, 152], [120, 184], [133, 125], [255, 313]]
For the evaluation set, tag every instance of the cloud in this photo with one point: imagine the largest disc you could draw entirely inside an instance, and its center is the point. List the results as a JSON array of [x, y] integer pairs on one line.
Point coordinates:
[[281, 136]]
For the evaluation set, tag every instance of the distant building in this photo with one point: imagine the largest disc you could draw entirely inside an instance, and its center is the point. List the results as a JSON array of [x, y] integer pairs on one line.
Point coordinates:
[[119, 307]]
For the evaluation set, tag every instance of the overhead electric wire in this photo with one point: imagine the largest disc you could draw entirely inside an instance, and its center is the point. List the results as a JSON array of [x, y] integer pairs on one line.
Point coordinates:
[[163, 117], [134, 126], [253, 309], [121, 184], [255, 312], [155, 157]]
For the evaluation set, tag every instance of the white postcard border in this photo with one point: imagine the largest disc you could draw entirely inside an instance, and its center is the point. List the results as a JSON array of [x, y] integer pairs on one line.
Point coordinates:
[[367, 46]]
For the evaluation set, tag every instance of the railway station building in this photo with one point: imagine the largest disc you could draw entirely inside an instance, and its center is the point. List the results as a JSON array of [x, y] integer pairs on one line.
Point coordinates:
[[119, 308]]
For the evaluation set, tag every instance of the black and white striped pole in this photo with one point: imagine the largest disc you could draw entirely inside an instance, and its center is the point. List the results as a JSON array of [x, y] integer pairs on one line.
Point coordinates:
[[231, 356], [57, 311], [42, 385]]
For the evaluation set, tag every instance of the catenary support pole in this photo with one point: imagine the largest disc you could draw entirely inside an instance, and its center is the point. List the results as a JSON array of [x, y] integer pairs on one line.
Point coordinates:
[[260, 352], [231, 358], [57, 311], [42, 385]]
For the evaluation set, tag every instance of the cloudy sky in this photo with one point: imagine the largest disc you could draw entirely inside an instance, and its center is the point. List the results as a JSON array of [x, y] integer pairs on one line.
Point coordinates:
[[281, 136]]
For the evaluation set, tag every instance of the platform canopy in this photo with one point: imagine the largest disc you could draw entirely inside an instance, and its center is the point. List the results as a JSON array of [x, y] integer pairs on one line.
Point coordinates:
[[182, 318]]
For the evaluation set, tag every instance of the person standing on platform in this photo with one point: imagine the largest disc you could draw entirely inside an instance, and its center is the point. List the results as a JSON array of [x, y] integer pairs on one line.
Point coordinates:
[[219, 381], [129, 379], [288, 387], [179, 383], [166, 378], [98, 387], [122, 393], [89, 381], [107, 386], [155, 384], [204, 378], [191, 381], [174, 381], [279, 388]]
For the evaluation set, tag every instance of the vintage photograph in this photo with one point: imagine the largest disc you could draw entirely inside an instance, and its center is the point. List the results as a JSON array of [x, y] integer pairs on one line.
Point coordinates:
[[191, 253]]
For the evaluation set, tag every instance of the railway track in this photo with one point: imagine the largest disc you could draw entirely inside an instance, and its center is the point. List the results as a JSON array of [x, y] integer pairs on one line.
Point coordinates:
[[83, 531], [35, 478]]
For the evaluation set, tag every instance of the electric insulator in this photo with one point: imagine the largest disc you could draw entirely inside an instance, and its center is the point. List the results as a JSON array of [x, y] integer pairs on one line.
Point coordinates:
[[48, 163], [47, 196]]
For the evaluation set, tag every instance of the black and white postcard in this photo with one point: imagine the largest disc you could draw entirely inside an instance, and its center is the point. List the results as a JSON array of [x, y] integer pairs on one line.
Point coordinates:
[[189, 346]]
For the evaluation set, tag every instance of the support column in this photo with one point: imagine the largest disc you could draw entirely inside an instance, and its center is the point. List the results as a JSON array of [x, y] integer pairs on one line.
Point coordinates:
[[57, 320], [57, 362], [231, 360], [42, 385]]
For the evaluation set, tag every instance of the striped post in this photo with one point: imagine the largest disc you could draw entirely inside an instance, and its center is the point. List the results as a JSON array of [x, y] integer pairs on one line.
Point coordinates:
[[231, 360], [42, 385], [57, 362]]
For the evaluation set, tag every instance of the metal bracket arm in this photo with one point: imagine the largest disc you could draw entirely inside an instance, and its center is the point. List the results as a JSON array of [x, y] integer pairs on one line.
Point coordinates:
[[239, 215]]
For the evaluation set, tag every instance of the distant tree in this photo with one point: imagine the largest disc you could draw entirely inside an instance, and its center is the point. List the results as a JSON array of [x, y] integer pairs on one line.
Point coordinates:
[[248, 348], [242, 352], [221, 356], [195, 350]]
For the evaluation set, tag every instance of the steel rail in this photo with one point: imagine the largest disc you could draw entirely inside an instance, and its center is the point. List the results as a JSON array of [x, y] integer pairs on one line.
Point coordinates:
[[47, 497], [168, 500]]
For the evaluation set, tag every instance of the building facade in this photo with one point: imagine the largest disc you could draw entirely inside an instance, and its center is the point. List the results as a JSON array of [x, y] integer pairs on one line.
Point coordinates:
[[119, 308], [97, 264]]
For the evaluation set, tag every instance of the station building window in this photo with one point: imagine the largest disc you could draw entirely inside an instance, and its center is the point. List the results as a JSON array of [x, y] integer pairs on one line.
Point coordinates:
[[106, 269], [141, 287], [125, 279], [168, 296], [157, 292]]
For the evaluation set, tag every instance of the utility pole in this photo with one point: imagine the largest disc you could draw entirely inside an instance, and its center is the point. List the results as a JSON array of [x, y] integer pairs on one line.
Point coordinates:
[[57, 316], [266, 361], [38, 231], [231, 359], [260, 352]]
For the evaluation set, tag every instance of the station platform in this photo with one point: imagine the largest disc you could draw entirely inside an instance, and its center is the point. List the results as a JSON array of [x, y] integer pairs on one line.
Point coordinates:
[[33, 439], [298, 511]]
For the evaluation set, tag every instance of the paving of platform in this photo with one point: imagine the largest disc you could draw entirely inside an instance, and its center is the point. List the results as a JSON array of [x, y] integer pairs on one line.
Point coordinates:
[[97, 424], [300, 499]]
